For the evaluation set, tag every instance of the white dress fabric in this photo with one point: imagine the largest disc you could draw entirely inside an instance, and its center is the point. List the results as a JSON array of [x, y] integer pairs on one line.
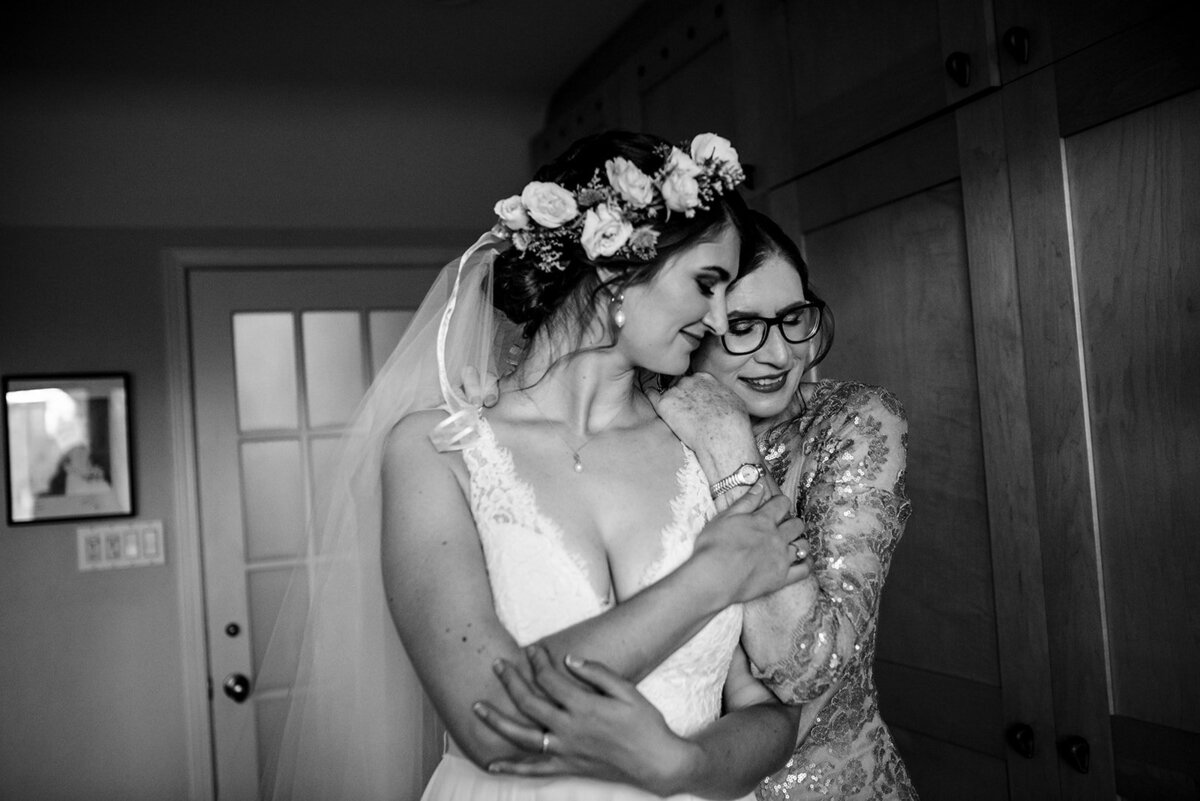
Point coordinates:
[[539, 587]]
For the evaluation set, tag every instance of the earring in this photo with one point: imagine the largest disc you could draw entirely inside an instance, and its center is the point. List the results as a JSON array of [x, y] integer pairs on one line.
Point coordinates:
[[616, 310]]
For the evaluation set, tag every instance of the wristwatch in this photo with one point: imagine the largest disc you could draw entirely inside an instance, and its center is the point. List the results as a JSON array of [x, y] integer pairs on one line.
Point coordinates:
[[744, 476]]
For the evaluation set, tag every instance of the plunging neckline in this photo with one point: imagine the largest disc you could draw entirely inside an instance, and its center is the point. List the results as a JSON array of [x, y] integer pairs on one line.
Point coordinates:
[[556, 532]]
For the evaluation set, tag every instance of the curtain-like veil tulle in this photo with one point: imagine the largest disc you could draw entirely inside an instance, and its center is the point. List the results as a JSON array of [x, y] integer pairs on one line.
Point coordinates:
[[358, 725]]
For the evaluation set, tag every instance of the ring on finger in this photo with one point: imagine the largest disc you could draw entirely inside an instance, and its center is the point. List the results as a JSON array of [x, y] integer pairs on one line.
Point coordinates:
[[800, 553], [545, 742]]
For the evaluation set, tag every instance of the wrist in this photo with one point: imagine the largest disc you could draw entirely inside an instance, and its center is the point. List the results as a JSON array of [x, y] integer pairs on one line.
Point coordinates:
[[722, 457], [706, 574]]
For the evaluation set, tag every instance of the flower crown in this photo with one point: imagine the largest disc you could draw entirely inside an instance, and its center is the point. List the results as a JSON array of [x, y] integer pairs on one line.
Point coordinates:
[[614, 213]]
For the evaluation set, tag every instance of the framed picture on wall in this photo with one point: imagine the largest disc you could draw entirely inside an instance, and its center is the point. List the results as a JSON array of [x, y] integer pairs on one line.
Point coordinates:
[[67, 443]]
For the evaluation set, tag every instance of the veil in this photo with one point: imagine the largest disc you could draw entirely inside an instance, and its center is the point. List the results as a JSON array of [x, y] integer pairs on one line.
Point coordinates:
[[357, 723]]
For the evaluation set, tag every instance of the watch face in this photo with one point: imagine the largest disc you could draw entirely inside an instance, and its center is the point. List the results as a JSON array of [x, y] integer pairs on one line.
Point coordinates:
[[748, 474]]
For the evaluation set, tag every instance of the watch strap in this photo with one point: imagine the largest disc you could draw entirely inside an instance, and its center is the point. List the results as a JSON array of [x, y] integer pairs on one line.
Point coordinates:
[[735, 479]]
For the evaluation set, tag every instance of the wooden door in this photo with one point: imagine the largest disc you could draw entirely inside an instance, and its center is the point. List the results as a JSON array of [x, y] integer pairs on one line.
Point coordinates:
[[1110, 235], [281, 359], [1135, 214], [910, 243]]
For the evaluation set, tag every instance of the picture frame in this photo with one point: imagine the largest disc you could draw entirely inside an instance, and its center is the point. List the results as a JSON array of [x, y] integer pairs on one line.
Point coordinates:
[[68, 447]]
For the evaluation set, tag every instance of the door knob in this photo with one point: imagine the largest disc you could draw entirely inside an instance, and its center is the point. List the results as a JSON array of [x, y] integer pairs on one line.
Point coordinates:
[[958, 67], [1020, 737], [1076, 752], [237, 687], [1016, 42]]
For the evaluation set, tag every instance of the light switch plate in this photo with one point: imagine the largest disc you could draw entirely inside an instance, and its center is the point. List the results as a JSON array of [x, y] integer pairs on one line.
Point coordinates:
[[112, 545]]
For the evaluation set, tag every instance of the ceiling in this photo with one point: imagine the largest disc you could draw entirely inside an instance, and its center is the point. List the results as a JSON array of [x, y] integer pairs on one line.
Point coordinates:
[[459, 45]]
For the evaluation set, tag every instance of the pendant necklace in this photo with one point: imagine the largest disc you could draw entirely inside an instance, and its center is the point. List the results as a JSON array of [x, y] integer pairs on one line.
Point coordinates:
[[574, 451]]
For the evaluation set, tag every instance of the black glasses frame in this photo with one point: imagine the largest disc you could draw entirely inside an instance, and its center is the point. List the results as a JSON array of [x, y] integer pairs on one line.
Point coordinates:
[[777, 322]]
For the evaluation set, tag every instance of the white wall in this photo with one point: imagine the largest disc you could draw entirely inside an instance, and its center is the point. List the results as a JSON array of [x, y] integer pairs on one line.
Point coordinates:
[[140, 154], [96, 179]]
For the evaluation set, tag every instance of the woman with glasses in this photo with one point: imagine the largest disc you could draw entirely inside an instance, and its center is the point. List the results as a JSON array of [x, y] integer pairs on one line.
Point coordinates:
[[838, 450]]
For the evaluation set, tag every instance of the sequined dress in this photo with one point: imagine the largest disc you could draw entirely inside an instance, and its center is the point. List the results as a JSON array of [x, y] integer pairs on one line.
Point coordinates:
[[845, 458], [540, 587]]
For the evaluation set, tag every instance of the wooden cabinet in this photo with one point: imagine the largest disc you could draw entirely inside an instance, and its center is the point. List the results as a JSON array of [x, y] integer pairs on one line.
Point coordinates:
[[863, 69], [667, 70], [1106, 229], [910, 243], [1035, 33], [1020, 263]]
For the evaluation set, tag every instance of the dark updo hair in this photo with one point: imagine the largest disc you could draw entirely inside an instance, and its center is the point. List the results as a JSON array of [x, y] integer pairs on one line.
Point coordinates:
[[763, 240], [532, 297]]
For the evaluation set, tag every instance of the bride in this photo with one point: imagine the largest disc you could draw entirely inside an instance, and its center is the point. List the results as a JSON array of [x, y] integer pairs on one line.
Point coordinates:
[[563, 520]]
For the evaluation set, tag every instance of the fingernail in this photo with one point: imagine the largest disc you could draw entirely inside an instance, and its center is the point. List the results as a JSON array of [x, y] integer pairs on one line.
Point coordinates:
[[757, 487], [573, 661], [498, 667], [495, 767], [479, 709]]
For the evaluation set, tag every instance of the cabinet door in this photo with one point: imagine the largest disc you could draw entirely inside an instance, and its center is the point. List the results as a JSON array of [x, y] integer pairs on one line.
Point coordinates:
[[1118, 458], [1035, 33], [1135, 212], [863, 69], [910, 243]]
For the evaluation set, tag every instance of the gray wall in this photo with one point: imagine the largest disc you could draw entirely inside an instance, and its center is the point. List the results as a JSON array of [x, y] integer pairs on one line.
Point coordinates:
[[96, 179]]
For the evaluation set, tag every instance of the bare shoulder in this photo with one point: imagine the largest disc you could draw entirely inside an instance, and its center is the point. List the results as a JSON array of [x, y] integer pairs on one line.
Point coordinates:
[[413, 429], [409, 454]]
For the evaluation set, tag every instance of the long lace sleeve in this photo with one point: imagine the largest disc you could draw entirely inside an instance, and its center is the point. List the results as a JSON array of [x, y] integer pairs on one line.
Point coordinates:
[[850, 453]]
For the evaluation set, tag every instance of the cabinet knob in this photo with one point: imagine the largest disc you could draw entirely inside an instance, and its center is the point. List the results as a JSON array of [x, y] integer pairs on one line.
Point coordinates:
[[1016, 42], [1020, 738], [958, 67], [237, 687], [1076, 752]]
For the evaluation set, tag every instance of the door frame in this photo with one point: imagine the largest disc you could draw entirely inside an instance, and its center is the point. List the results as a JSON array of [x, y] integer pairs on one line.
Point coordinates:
[[177, 263]]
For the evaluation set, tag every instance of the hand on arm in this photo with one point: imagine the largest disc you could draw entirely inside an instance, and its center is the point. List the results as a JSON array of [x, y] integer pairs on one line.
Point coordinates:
[[712, 421], [803, 636], [597, 725], [437, 587], [436, 584], [742, 553]]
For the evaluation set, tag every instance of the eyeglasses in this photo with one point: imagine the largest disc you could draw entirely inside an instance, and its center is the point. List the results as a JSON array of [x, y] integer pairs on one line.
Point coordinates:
[[748, 334]]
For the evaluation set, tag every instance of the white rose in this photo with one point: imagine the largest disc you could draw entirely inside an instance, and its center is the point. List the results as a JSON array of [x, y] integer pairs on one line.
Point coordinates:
[[511, 212], [679, 188], [604, 231], [630, 182], [549, 204], [681, 162], [710, 146]]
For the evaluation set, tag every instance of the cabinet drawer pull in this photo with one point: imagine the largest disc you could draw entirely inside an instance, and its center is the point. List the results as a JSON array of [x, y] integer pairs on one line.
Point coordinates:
[[1076, 752], [1016, 42], [958, 67], [1020, 738]]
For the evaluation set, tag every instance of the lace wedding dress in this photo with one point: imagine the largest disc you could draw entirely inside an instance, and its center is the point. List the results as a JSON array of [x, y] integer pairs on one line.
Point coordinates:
[[540, 587]]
